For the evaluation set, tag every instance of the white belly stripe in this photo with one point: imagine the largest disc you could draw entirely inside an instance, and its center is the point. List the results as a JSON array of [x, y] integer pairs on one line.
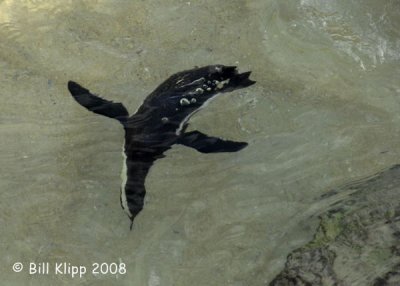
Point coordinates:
[[186, 119], [124, 179]]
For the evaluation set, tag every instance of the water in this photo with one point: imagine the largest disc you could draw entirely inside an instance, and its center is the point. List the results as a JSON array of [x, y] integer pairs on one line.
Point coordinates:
[[324, 112]]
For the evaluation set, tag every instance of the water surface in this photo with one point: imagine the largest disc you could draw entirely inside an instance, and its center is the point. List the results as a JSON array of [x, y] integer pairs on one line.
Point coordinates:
[[324, 112]]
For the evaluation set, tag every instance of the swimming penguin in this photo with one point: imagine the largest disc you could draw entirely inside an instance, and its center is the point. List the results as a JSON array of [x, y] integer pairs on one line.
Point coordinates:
[[161, 121]]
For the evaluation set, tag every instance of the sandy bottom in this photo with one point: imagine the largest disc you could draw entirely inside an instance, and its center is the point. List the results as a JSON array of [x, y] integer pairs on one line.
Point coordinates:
[[324, 113]]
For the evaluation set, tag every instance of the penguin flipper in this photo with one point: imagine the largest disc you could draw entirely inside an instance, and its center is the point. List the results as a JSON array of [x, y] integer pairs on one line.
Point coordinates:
[[97, 104], [207, 144]]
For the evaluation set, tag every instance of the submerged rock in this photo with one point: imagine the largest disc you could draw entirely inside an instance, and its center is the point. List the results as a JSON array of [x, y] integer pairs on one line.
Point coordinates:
[[357, 241]]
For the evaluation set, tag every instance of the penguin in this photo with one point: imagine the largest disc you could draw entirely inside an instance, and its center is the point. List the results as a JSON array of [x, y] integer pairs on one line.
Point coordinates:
[[161, 121]]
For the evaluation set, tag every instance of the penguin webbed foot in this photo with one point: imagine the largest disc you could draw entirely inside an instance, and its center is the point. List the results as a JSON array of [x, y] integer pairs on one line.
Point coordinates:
[[236, 79], [207, 144], [241, 80]]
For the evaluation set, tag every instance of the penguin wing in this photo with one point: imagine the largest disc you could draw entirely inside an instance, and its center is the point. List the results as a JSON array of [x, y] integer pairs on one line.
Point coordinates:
[[207, 144], [97, 104]]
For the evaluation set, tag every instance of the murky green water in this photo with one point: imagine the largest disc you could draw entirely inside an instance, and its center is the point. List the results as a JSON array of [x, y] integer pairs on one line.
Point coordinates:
[[324, 112]]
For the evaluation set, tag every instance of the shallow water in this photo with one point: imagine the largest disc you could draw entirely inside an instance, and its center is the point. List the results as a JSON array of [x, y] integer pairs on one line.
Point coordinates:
[[324, 112]]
